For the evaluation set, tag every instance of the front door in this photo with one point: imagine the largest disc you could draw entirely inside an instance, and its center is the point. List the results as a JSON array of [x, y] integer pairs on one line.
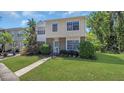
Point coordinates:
[[56, 47]]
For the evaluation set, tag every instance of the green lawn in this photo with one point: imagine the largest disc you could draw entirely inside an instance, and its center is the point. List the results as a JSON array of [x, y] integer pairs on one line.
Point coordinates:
[[106, 67], [19, 62]]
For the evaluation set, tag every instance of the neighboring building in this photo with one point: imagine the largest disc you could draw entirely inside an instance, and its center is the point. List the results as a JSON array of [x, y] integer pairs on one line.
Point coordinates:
[[62, 34], [17, 35]]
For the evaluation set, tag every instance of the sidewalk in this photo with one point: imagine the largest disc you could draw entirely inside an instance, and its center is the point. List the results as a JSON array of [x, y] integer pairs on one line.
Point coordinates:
[[6, 74], [9, 57], [30, 67]]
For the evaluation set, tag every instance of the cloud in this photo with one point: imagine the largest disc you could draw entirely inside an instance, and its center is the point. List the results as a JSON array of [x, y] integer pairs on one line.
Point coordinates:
[[75, 13], [24, 22], [33, 14], [51, 12], [69, 12], [13, 14], [72, 12], [27, 13]]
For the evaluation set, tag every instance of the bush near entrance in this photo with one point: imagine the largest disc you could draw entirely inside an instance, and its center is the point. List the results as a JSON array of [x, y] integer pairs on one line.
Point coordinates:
[[71, 53], [87, 50], [45, 49]]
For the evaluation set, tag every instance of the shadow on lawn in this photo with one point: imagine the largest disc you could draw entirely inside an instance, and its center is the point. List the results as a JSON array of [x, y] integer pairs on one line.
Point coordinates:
[[101, 58]]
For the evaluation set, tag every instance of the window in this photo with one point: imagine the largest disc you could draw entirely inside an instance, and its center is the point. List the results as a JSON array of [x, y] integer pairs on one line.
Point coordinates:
[[40, 30], [76, 25], [71, 26], [56, 43], [19, 35], [54, 27], [72, 44]]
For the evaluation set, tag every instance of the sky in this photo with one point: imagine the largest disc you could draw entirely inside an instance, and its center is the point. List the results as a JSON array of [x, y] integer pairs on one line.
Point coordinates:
[[13, 19]]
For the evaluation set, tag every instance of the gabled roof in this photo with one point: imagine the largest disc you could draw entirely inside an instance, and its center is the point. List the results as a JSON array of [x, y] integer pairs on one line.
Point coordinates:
[[65, 18]]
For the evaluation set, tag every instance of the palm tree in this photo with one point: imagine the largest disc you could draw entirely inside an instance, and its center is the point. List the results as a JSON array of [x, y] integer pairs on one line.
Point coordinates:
[[30, 37], [32, 25]]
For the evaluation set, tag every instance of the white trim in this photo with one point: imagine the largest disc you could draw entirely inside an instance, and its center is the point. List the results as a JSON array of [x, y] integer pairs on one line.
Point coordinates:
[[56, 40]]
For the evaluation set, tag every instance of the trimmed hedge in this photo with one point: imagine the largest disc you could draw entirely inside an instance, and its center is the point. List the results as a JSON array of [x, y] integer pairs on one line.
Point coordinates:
[[87, 50], [45, 49], [69, 53]]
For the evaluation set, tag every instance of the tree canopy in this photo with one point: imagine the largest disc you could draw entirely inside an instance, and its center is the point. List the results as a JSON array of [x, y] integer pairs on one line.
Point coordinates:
[[109, 29], [5, 38]]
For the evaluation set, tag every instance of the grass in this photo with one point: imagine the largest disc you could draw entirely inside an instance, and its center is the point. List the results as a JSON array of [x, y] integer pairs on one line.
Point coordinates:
[[19, 62], [106, 67]]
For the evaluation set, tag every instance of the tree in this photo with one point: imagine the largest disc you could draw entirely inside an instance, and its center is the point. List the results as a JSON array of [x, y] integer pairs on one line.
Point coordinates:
[[98, 24], [93, 39], [5, 38], [120, 29], [108, 27], [32, 25], [30, 36]]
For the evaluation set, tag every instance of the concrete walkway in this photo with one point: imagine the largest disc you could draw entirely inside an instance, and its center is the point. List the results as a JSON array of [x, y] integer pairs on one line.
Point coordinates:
[[6, 74], [30, 67], [9, 57]]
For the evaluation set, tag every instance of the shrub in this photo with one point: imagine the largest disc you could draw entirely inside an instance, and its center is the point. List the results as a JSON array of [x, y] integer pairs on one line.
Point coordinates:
[[5, 54], [97, 47], [72, 53], [63, 52], [30, 50], [45, 49], [87, 50], [103, 48], [69, 53]]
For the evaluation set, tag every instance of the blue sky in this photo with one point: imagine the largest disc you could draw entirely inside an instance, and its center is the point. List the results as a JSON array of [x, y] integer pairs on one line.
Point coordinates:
[[11, 19]]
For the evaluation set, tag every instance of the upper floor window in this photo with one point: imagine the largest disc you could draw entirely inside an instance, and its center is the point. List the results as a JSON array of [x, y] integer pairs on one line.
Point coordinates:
[[69, 26], [72, 26], [54, 27], [40, 30]]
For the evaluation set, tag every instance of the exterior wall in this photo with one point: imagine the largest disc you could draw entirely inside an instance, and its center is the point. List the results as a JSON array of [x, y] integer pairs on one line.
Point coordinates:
[[50, 41], [62, 43], [17, 38], [40, 37], [62, 28]]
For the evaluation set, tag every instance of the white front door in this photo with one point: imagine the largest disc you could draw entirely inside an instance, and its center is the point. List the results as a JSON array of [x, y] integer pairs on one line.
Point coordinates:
[[56, 47]]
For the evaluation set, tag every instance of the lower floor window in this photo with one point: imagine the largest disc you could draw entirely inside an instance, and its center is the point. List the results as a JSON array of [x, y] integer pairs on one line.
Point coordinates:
[[72, 44]]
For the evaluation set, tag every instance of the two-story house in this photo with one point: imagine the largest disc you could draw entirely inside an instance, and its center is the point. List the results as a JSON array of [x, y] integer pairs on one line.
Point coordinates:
[[62, 34]]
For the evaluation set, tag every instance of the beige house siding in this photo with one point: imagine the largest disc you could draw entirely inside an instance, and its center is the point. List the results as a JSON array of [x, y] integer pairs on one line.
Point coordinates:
[[62, 43], [49, 41], [62, 28]]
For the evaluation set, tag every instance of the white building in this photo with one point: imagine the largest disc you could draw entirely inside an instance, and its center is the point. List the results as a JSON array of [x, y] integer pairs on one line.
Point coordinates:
[[17, 35]]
